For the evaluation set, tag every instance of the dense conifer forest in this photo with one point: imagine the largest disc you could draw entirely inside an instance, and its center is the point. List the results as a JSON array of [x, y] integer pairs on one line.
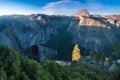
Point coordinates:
[[16, 66]]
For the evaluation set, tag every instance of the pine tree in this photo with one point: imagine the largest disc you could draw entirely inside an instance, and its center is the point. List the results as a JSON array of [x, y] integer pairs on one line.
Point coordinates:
[[3, 75], [76, 53]]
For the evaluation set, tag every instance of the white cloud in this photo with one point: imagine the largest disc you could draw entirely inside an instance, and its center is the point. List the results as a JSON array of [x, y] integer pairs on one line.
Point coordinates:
[[61, 7], [72, 6]]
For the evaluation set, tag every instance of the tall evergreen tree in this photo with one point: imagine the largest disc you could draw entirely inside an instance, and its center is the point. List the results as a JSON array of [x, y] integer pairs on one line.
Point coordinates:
[[76, 53]]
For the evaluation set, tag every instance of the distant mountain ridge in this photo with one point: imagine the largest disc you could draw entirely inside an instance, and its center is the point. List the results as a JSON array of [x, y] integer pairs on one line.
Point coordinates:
[[92, 32]]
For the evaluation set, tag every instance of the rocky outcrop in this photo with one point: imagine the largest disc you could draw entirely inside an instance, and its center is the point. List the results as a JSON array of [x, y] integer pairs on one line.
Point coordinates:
[[83, 12], [118, 23], [84, 21], [112, 21]]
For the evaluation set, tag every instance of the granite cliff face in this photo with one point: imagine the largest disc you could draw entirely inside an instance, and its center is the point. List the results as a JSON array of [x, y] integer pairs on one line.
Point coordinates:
[[95, 32], [21, 32]]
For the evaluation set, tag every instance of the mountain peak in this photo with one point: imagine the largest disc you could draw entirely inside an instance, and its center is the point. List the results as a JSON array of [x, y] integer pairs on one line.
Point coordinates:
[[83, 12]]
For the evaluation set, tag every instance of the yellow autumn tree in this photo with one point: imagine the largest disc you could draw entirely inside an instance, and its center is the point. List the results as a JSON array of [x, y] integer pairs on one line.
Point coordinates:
[[76, 53]]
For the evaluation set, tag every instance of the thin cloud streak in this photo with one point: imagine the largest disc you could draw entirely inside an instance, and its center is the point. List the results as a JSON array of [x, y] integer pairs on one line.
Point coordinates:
[[71, 6], [60, 7]]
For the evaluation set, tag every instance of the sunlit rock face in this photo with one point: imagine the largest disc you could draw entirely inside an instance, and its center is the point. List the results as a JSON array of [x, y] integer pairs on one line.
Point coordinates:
[[96, 32], [83, 12]]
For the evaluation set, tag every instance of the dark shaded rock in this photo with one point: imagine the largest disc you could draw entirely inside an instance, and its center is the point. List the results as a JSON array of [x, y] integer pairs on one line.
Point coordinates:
[[40, 53]]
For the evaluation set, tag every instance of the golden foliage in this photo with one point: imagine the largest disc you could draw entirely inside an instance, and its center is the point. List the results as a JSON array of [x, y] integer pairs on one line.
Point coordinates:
[[76, 53], [106, 58]]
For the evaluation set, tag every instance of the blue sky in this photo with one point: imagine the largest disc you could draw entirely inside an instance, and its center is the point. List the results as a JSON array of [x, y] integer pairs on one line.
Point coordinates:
[[52, 7]]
